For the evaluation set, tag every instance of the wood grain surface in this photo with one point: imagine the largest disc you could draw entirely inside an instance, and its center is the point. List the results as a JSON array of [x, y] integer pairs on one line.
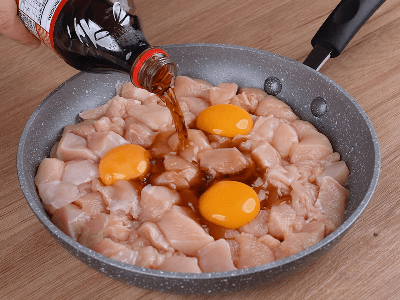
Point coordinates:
[[366, 262]]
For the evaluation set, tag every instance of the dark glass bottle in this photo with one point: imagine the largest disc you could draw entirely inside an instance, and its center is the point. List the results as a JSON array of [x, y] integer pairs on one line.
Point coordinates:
[[99, 35]]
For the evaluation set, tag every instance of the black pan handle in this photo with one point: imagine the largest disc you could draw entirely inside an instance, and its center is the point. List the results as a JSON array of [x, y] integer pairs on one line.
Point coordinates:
[[340, 27]]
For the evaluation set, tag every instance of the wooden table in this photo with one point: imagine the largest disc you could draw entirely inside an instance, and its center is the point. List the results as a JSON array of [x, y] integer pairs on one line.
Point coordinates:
[[364, 265]]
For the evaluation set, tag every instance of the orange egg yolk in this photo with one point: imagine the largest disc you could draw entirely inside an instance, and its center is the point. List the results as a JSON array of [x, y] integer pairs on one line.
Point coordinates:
[[230, 204], [225, 119], [124, 162]]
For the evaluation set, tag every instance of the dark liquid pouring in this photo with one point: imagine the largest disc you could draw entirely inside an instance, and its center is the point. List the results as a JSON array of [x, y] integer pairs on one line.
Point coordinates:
[[162, 88]]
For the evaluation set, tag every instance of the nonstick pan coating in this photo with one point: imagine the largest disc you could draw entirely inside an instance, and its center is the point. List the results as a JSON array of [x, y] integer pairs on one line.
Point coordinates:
[[344, 123]]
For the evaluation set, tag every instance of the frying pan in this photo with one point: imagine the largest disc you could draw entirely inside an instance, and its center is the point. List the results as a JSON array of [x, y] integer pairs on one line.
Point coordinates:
[[312, 96]]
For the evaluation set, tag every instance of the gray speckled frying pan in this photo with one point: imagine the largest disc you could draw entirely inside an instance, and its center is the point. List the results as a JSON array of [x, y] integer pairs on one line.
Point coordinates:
[[340, 118]]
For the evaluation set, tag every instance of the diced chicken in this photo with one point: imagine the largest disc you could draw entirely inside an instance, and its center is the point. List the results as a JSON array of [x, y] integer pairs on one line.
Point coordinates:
[[284, 138], [283, 220], [70, 219], [102, 142], [311, 234], [218, 141], [258, 94], [117, 108], [155, 202], [198, 142], [196, 105], [265, 127], [127, 256], [92, 231], [160, 146], [216, 257], [235, 252], [303, 196], [74, 147], [224, 161], [149, 258], [269, 241], [83, 129], [220, 232], [115, 124], [258, 226], [313, 146], [265, 156], [303, 128], [154, 116], [338, 171], [121, 198], [170, 179], [271, 106], [330, 204], [117, 229], [56, 194], [140, 134], [109, 248], [188, 117], [129, 91], [50, 169], [180, 264], [91, 203], [95, 113], [188, 87], [252, 253], [309, 170], [187, 170], [248, 102], [182, 230], [223, 93], [152, 233], [78, 172]]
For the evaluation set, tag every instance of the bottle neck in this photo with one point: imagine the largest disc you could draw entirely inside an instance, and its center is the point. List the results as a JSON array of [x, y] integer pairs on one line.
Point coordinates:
[[154, 71]]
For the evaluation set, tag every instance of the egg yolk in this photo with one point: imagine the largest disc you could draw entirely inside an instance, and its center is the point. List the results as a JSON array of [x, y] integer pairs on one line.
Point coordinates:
[[225, 119], [124, 162], [230, 204]]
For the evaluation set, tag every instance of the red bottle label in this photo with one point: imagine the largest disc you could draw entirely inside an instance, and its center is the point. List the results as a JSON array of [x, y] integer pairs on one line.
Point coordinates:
[[39, 16]]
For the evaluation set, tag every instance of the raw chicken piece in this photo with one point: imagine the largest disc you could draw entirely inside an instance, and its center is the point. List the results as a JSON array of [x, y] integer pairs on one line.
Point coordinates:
[[256, 93], [216, 257], [102, 142], [338, 171], [121, 198], [72, 146], [91, 203], [196, 105], [269, 241], [170, 179], [83, 129], [303, 196], [271, 106], [116, 229], [78, 172], [225, 161], [265, 127], [188, 117], [188, 87], [56, 194], [109, 248], [139, 242], [95, 113], [180, 264], [330, 204], [311, 234], [154, 116], [284, 138], [139, 134], [127, 256], [258, 226], [155, 202], [129, 91], [70, 219], [92, 231], [265, 156], [187, 170], [50, 169], [117, 108], [313, 146], [198, 142], [223, 93], [249, 103], [149, 258], [252, 253], [217, 141], [235, 252], [152, 233], [182, 230], [160, 146], [303, 128], [115, 124], [220, 232], [283, 220]]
